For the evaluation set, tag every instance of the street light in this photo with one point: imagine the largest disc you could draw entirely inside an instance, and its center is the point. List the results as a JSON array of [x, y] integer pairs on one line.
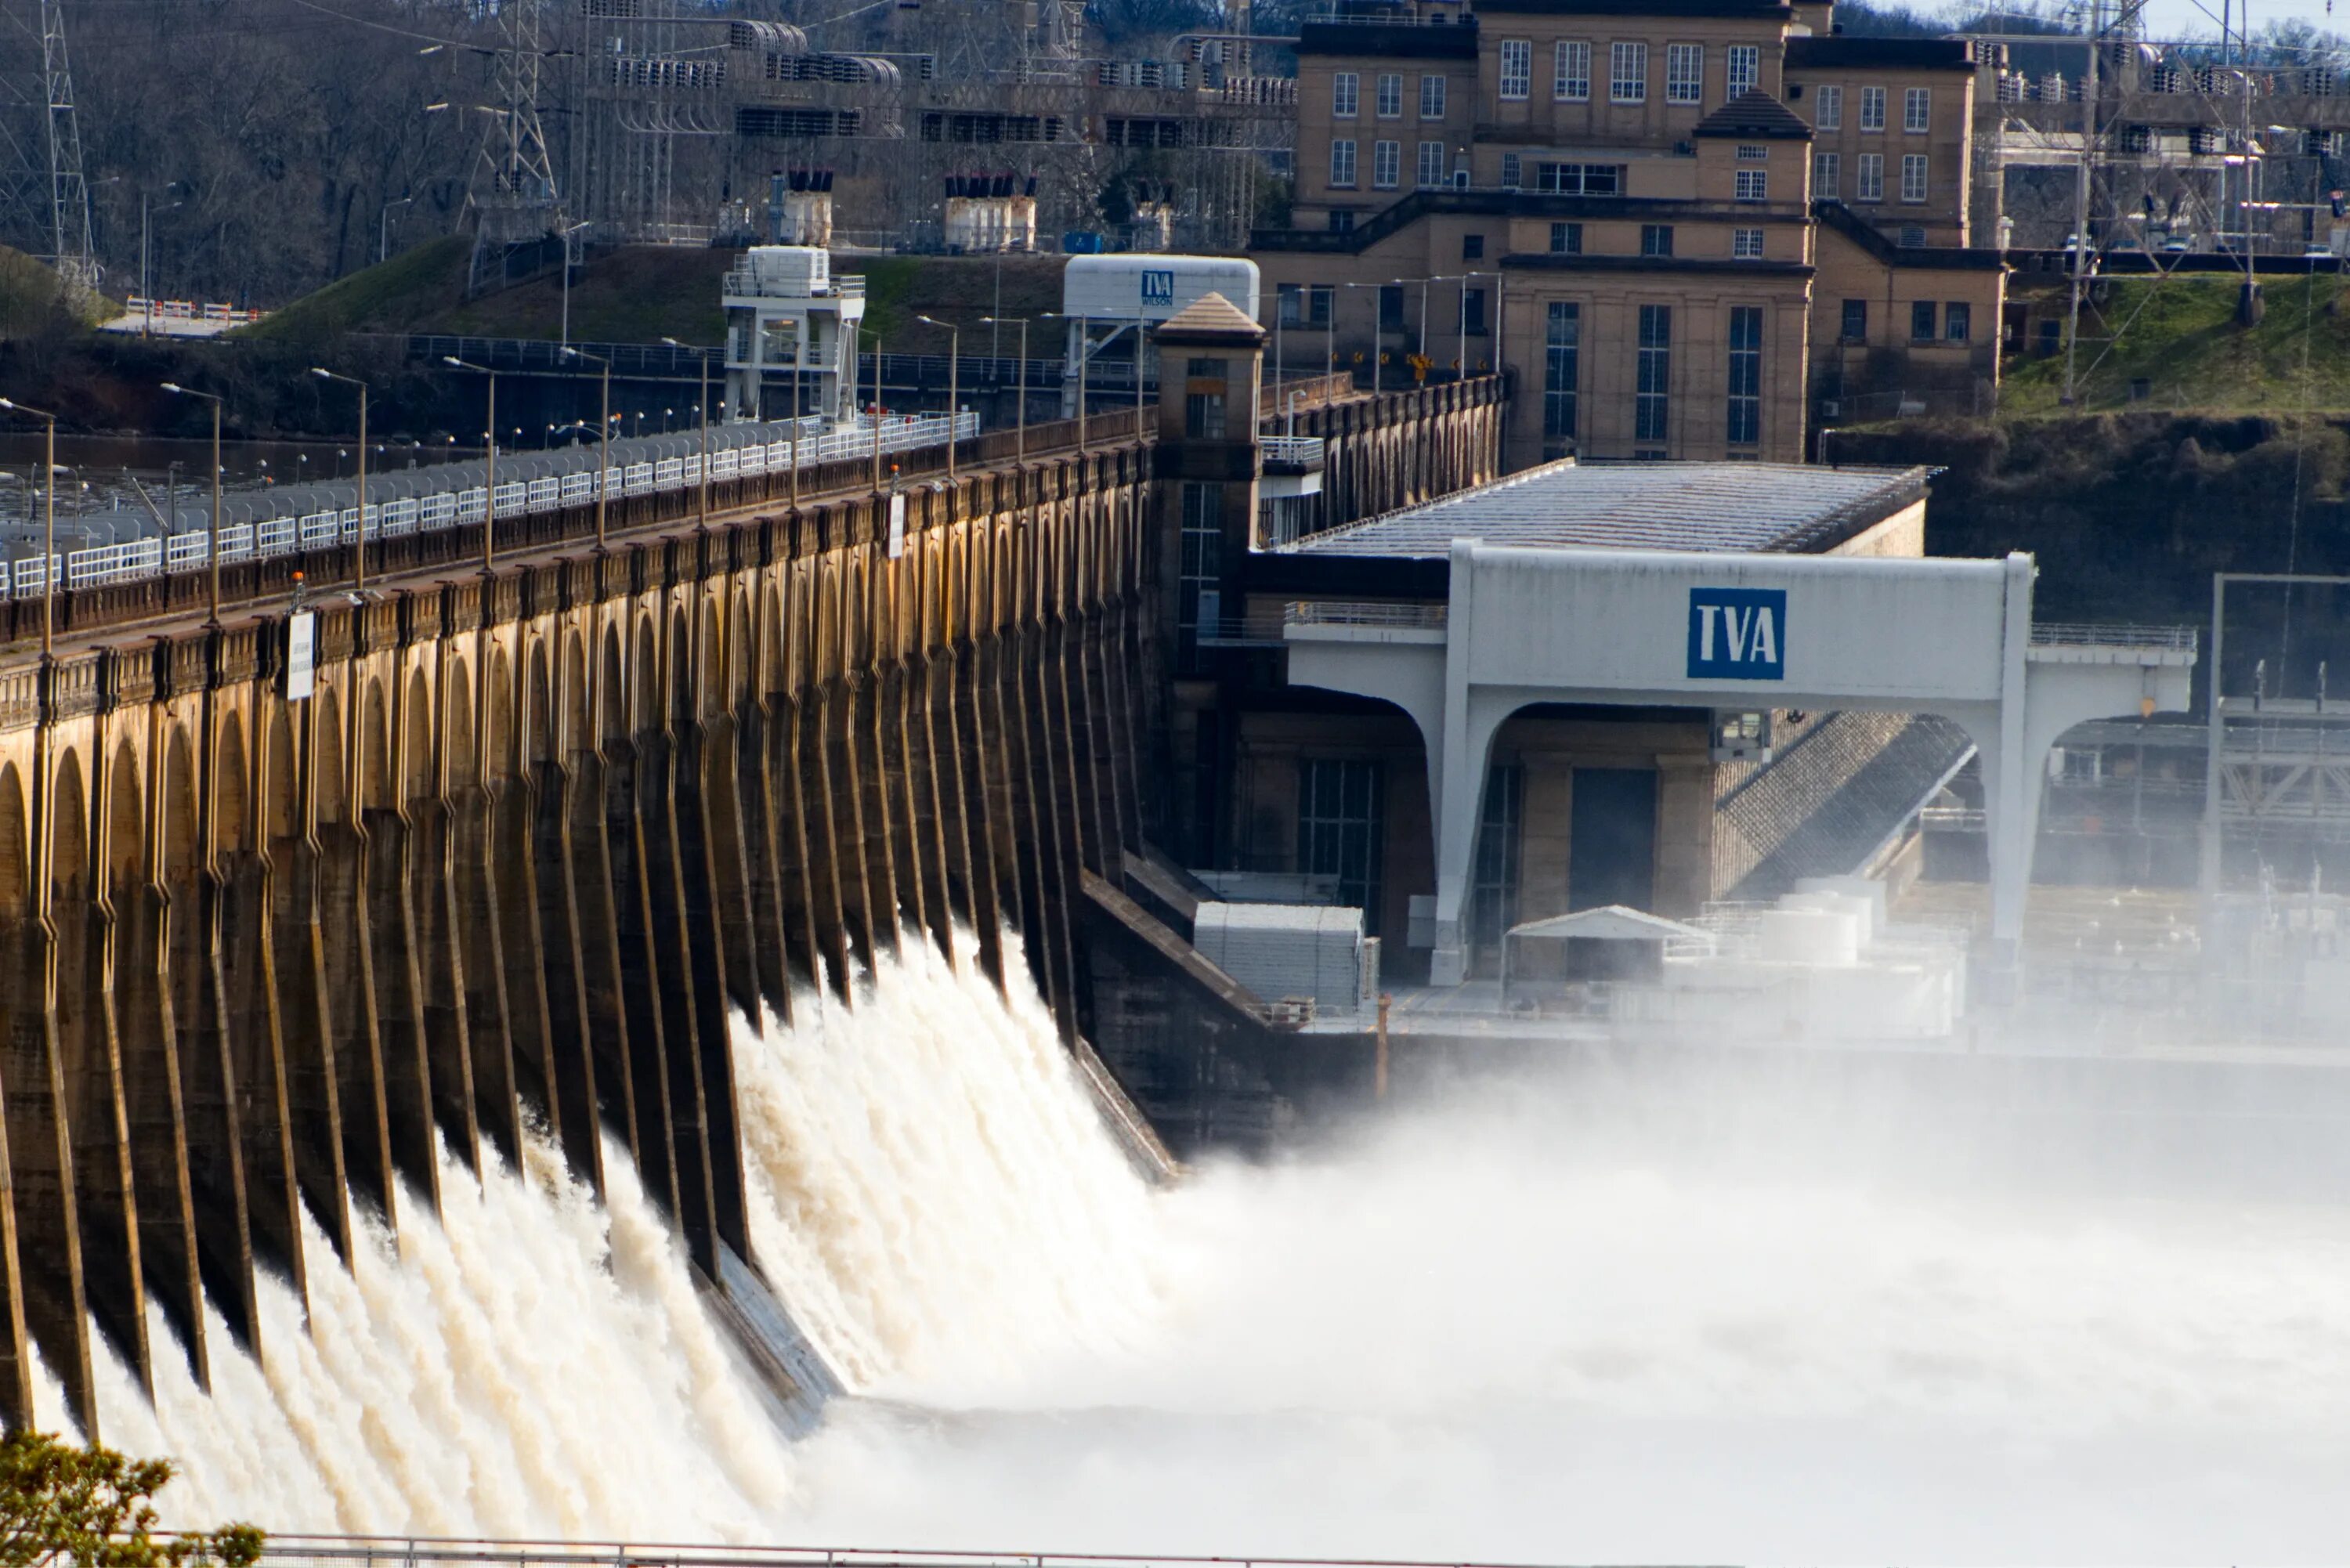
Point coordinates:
[[383, 229], [212, 540], [1020, 447], [49, 527], [359, 549], [954, 357], [603, 441], [701, 418], [489, 470]]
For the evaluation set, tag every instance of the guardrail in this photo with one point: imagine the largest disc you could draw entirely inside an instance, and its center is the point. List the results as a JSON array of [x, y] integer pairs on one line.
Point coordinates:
[[2079, 634], [1334, 612], [189, 310], [1297, 452], [387, 1551], [191, 550]]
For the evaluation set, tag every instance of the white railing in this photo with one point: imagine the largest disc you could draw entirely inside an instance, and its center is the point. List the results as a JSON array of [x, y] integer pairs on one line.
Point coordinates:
[[388, 1551], [190, 551], [1332, 612], [2081, 634], [1305, 452]]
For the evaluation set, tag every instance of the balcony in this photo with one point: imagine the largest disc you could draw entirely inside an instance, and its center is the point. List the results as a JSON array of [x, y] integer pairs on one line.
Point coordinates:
[[1292, 467]]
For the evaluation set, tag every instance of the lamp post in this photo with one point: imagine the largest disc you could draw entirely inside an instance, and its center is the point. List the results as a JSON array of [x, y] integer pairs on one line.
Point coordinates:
[[49, 527], [954, 357], [146, 277], [1020, 440], [211, 541], [489, 469], [358, 547], [383, 229], [701, 418], [603, 439]]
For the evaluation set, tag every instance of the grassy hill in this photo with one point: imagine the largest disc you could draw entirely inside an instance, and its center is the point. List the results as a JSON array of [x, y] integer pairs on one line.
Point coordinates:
[[641, 293], [30, 300], [2180, 336]]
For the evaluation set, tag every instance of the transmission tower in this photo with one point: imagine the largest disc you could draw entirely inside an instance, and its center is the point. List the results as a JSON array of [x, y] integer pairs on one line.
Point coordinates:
[[514, 194], [43, 191]]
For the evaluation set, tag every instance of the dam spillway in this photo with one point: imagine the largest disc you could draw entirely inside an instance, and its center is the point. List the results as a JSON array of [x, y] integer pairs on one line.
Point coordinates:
[[535, 841]]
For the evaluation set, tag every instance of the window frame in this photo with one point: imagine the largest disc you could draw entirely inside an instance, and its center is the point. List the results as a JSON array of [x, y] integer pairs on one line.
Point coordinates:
[[1342, 146], [1864, 187], [1745, 244], [1657, 242], [1653, 376], [1751, 57], [1627, 66], [1743, 420], [1922, 313], [1566, 238], [1386, 164], [1419, 167], [1520, 50], [1346, 95], [1827, 176], [1561, 81], [1561, 367], [1854, 310], [1872, 99], [1914, 192], [1827, 107], [1958, 321], [1514, 171], [1917, 110], [1431, 96], [1386, 89], [1684, 73], [1752, 185]]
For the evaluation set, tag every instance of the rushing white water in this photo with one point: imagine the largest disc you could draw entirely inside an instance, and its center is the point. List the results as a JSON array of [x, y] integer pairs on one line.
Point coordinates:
[[1712, 1307]]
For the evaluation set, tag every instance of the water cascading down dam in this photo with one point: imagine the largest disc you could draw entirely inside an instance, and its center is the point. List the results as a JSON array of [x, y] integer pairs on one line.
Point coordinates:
[[508, 891]]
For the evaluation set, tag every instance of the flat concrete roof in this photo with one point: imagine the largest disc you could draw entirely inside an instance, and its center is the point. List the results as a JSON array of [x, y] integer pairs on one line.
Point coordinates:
[[1798, 508]]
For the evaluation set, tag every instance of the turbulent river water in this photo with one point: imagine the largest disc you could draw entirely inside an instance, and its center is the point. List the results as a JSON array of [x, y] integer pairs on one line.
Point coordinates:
[[1602, 1311]]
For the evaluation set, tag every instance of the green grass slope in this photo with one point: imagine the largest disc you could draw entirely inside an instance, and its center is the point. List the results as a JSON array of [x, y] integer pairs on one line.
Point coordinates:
[[2180, 336]]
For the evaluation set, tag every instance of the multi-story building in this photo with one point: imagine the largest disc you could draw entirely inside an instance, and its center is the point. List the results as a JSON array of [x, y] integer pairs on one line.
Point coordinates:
[[1687, 228]]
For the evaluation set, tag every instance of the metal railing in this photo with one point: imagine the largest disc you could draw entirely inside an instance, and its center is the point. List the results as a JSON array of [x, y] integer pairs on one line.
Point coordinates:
[[386, 1551], [191, 550], [1300, 451], [1336, 612], [2080, 634]]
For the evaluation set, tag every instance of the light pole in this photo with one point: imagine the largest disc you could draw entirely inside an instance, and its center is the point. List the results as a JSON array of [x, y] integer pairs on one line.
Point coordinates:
[[383, 229], [1085, 354], [701, 418], [1020, 440], [146, 275], [358, 547], [567, 281], [489, 471], [603, 441], [211, 541], [49, 530], [954, 356], [1375, 327], [876, 402]]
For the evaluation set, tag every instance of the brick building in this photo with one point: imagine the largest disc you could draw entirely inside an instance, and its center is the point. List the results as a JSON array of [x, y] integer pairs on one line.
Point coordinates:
[[1689, 229]]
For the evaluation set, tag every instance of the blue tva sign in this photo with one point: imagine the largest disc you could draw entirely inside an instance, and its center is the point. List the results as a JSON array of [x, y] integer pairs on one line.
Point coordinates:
[[1158, 287], [1737, 634]]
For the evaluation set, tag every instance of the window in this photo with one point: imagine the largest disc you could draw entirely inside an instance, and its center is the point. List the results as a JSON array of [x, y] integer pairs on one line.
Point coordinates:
[[1921, 321], [1342, 162], [1580, 179], [1650, 403], [1745, 374], [1752, 152], [1472, 247], [1656, 239], [1472, 315], [1563, 341], [1513, 171], [1386, 164], [1493, 894], [1872, 108], [1627, 73], [1431, 97], [1307, 305], [1390, 307], [1570, 80], [1745, 68], [1684, 73], [1431, 165], [1340, 825], [1830, 110], [1566, 239], [1203, 572], [1391, 97], [1345, 89], [1203, 416], [1872, 177], [1342, 222], [1827, 182], [1916, 109], [1753, 185], [1913, 177], [1958, 321], [1746, 244], [1856, 321], [1517, 68]]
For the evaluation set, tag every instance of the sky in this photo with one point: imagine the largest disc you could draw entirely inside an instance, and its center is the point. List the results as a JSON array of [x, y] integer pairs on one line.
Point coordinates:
[[2178, 19]]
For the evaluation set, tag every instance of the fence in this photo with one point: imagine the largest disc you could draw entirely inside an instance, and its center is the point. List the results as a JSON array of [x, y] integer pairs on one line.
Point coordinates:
[[362, 1552], [191, 551]]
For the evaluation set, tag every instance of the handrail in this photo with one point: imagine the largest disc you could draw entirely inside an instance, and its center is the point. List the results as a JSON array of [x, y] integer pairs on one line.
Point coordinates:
[[293, 1549], [1334, 612], [2082, 634]]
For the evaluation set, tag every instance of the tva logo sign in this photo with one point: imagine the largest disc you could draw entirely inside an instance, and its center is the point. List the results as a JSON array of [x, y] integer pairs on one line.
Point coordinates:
[[1737, 634], [1158, 287]]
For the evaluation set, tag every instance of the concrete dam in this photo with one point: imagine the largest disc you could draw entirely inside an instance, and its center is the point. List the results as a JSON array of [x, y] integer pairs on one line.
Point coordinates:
[[516, 881]]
